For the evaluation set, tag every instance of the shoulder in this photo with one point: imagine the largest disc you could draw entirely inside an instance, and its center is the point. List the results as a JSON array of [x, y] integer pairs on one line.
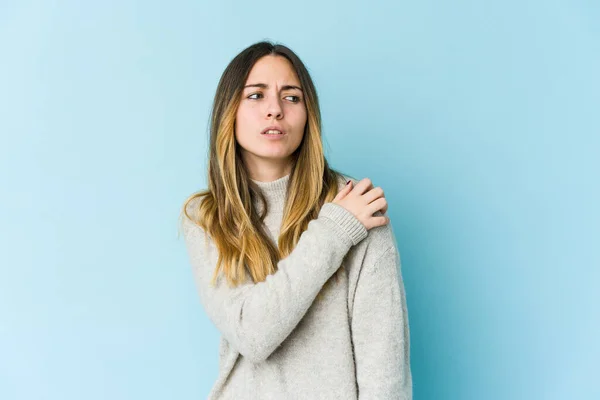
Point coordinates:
[[379, 240], [191, 205], [190, 215]]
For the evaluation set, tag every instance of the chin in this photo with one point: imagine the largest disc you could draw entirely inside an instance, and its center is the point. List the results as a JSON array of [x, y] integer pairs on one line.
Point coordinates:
[[282, 154], [279, 156]]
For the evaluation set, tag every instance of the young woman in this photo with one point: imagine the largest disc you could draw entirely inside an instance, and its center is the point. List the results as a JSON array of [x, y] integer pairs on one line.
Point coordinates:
[[295, 264]]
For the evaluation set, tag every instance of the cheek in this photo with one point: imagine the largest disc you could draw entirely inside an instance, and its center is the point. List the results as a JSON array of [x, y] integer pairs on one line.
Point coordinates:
[[297, 117], [244, 119], [302, 120]]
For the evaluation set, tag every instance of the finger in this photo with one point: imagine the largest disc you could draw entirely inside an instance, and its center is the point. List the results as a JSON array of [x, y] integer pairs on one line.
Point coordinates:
[[383, 220], [342, 193], [384, 209], [377, 205], [373, 194], [377, 221], [362, 186]]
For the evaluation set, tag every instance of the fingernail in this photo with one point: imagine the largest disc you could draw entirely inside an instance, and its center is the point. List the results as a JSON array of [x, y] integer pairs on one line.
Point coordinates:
[[348, 182]]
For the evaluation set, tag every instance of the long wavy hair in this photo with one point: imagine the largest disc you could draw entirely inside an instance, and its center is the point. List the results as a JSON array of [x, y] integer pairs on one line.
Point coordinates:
[[225, 211]]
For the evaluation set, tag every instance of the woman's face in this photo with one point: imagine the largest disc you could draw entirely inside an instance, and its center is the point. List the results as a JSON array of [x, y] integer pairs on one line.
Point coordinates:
[[271, 97]]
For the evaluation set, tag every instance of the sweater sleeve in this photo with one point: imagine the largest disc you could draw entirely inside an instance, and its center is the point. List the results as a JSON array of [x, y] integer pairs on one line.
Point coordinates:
[[255, 318], [380, 331]]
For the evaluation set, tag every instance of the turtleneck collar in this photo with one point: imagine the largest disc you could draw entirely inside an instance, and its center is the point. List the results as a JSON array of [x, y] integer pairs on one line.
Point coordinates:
[[275, 190]]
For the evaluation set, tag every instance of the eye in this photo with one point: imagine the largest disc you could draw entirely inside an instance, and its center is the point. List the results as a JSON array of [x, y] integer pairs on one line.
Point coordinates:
[[296, 99], [256, 96]]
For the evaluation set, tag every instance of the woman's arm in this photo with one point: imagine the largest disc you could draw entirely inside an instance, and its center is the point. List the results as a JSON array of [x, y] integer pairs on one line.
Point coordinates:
[[380, 331], [255, 318]]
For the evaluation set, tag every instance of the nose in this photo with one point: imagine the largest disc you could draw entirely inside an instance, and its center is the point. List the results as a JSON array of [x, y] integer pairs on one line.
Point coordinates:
[[274, 108]]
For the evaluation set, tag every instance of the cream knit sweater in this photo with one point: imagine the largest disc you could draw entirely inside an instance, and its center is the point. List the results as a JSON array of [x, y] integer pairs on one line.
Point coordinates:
[[278, 343]]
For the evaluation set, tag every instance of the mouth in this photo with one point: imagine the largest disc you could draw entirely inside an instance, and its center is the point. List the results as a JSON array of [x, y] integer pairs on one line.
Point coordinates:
[[273, 131]]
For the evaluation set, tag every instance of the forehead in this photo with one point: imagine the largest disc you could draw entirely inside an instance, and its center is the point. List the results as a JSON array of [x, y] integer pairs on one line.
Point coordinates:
[[276, 69]]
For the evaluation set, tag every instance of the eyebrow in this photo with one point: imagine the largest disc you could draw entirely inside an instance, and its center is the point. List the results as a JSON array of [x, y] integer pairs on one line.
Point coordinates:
[[265, 86]]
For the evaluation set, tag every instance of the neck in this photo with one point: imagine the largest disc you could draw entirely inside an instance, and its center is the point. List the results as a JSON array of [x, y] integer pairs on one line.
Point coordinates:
[[266, 170], [274, 191]]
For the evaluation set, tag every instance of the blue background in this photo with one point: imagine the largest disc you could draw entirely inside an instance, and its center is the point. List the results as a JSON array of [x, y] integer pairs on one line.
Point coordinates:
[[481, 121]]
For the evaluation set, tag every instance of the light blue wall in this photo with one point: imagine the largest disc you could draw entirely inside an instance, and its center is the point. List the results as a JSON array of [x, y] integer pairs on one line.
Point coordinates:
[[481, 121]]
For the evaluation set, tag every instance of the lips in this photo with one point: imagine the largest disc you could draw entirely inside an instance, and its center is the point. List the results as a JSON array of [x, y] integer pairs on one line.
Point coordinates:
[[273, 127]]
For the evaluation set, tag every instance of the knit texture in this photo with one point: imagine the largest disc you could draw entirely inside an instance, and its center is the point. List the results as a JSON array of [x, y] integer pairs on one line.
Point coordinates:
[[279, 342]]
